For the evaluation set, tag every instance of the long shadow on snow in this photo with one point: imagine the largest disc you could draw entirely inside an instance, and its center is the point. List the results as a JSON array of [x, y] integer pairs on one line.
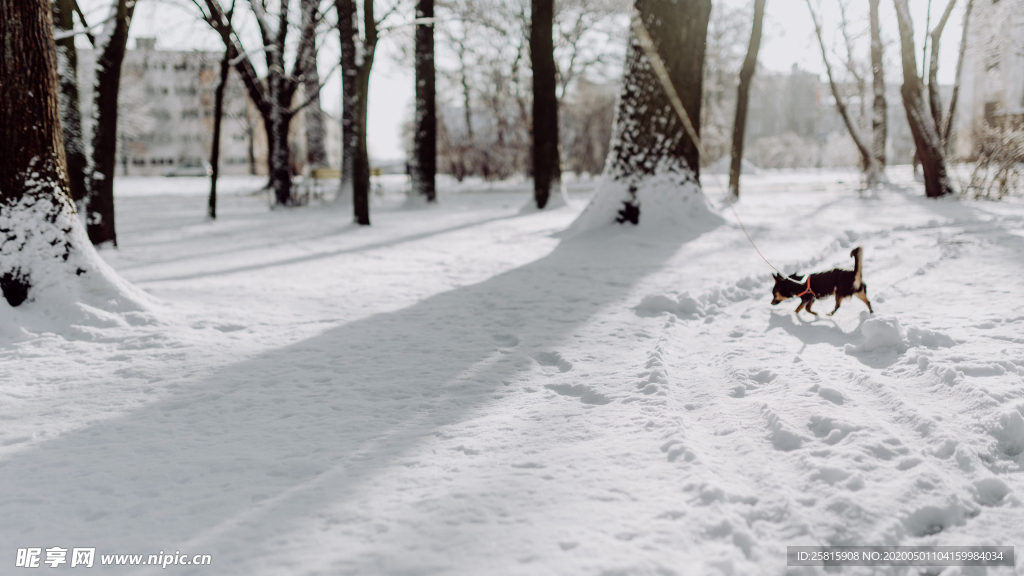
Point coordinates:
[[330, 253], [241, 459]]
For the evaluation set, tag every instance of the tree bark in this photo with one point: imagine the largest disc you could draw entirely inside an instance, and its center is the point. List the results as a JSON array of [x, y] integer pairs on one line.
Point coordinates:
[[872, 171], [922, 126], [739, 125], [349, 71], [70, 113], [218, 113], [948, 129], [100, 201], [648, 130], [37, 216], [356, 62], [934, 98], [423, 168], [546, 162], [316, 150], [879, 108], [652, 157]]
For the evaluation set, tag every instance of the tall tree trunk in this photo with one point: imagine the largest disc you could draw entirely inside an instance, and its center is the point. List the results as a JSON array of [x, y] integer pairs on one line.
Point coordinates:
[[218, 114], [349, 71], [356, 62], [948, 129], [361, 161], [111, 49], [276, 122], [922, 126], [70, 113], [546, 163], [872, 171], [652, 158], [879, 108], [934, 98], [739, 125], [424, 141], [316, 150], [37, 216]]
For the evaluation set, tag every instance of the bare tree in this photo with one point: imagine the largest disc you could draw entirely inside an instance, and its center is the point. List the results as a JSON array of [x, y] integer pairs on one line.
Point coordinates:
[[111, 44], [934, 99], [546, 161], [743, 98], [424, 156], [922, 125], [316, 149], [947, 131], [357, 55], [218, 114], [874, 174], [879, 106], [273, 97]]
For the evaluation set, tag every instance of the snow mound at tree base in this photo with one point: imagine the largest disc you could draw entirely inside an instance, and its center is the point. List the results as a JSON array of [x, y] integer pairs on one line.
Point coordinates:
[[667, 203], [68, 283]]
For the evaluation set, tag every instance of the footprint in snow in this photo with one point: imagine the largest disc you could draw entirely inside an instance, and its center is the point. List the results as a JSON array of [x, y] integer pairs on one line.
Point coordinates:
[[553, 359]]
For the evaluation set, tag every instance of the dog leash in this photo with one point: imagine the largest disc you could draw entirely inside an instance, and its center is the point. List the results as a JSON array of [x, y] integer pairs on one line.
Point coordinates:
[[666, 83]]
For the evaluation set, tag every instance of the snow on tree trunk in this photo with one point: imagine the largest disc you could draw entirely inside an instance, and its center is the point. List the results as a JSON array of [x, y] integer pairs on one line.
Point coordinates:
[[110, 46], [70, 113], [739, 125], [922, 126], [651, 175], [316, 150], [423, 168], [44, 251], [879, 108], [546, 164]]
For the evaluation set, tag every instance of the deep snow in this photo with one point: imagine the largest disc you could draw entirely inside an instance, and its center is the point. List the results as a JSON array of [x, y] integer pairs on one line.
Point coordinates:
[[461, 389]]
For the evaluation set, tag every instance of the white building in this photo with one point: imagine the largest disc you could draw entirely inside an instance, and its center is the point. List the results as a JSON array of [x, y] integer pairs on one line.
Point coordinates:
[[992, 85], [165, 116]]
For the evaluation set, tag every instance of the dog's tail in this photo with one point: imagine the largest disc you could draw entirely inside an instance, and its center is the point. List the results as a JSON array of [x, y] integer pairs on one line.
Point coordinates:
[[857, 268]]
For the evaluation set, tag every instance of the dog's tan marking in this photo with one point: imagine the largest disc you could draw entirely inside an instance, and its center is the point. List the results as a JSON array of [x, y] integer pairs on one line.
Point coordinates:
[[809, 308], [839, 300], [863, 295]]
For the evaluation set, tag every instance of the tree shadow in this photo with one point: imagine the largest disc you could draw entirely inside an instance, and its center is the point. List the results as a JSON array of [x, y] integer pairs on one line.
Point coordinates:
[[233, 463]]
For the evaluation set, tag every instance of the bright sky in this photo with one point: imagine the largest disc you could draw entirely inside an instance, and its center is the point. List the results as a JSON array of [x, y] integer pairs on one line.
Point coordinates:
[[788, 39]]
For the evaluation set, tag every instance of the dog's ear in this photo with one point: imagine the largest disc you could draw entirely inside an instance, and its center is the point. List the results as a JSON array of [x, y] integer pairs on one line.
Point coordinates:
[[795, 276], [777, 276]]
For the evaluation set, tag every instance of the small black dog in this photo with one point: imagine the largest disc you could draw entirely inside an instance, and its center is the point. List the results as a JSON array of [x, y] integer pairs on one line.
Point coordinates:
[[836, 282]]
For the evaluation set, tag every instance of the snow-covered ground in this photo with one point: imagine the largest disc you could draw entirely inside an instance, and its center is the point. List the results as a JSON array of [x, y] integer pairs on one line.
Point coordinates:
[[459, 390]]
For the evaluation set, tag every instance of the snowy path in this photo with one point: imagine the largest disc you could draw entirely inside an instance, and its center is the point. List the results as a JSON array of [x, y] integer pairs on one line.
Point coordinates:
[[455, 391]]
